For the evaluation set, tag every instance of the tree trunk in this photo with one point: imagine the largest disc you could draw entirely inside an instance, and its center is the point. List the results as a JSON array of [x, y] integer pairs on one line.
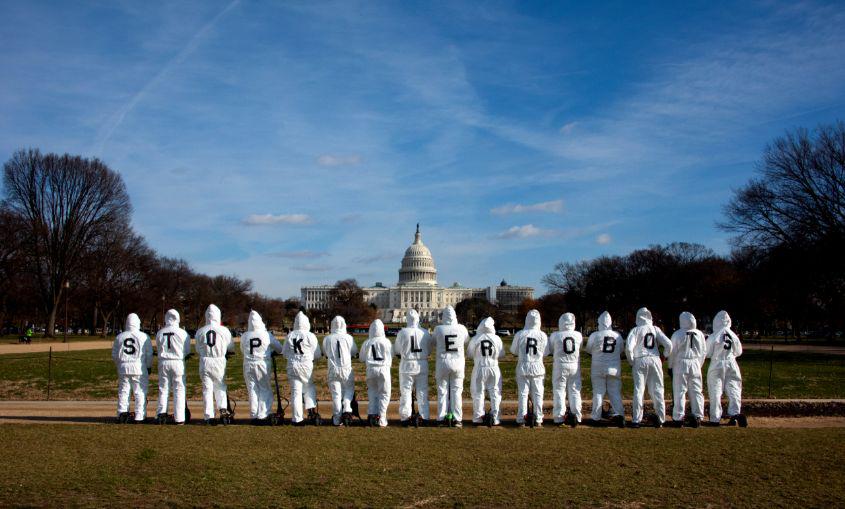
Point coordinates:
[[50, 331], [105, 322]]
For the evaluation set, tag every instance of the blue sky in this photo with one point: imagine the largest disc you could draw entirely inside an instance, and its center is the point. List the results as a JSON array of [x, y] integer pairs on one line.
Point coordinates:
[[297, 143]]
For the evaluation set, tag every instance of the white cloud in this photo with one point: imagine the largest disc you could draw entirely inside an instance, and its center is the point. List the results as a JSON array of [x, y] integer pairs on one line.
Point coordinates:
[[336, 160], [299, 254], [378, 258], [568, 127], [521, 232], [265, 219], [603, 239], [311, 267], [553, 206]]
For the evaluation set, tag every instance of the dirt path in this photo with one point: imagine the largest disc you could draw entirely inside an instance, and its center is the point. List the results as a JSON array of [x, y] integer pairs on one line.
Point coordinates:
[[826, 349], [57, 346], [102, 412]]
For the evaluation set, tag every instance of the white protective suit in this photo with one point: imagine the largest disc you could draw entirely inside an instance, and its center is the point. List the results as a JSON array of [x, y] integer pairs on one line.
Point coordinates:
[[413, 346], [173, 344], [301, 349], [213, 343], [530, 345], [486, 349], [132, 353], [641, 348], [257, 345], [450, 339], [606, 348], [377, 355], [565, 347], [688, 354], [723, 347], [339, 347]]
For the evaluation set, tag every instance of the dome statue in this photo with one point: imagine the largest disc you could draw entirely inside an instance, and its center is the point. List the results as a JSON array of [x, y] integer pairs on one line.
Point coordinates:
[[417, 264]]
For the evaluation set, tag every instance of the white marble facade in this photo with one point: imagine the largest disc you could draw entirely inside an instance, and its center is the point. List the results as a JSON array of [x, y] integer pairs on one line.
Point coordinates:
[[418, 289]]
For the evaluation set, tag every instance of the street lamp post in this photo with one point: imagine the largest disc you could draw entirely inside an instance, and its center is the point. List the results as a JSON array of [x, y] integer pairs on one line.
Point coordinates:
[[162, 310], [67, 290]]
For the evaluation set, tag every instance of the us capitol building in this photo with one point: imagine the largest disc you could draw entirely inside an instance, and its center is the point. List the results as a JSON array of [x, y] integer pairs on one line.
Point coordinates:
[[418, 289]]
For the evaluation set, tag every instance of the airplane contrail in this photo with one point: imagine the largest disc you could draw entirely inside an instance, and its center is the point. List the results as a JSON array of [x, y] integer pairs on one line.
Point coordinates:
[[114, 122]]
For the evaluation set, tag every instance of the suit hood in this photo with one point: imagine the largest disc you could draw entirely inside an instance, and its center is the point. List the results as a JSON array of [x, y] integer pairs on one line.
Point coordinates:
[[722, 321], [487, 326], [413, 318], [643, 317], [212, 315], [338, 325], [532, 319], [566, 322], [605, 322], [376, 329], [255, 323], [687, 320], [301, 322], [449, 317], [171, 318], [133, 323]]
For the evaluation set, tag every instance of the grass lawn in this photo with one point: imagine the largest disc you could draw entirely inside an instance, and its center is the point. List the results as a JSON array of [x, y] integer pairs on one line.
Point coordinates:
[[91, 375], [148, 466]]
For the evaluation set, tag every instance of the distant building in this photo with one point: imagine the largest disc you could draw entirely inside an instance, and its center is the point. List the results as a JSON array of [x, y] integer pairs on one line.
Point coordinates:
[[418, 289]]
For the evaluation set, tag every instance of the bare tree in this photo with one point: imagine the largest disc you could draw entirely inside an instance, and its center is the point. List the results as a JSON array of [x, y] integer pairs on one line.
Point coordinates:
[[799, 195], [66, 202]]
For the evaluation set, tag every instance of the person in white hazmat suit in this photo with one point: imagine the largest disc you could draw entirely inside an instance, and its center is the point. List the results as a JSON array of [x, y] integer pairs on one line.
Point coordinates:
[[132, 353], [606, 348], [214, 342], [173, 345], [257, 345], [486, 349], [450, 339], [530, 345], [641, 348], [301, 349], [723, 347], [413, 346], [377, 355], [688, 353], [565, 347], [339, 348]]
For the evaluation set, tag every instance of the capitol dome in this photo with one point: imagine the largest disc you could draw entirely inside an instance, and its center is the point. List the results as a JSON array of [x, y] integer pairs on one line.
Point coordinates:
[[417, 264]]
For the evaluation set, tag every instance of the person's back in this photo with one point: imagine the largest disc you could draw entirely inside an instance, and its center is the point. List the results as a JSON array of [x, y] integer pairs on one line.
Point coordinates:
[[565, 349], [450, 339], [172, 342], [377, 355], [257, 346], [606, 348], [486, 349], [132, 353], [301, 348], [685, 361], [257, 343], [174, 345], [213, 342], [641, 348], [723, 347], [530, 345], [413, 347], [339, 348]]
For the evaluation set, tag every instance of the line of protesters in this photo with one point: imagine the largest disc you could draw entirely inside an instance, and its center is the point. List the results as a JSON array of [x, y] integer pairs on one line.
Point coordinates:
[[450, 343]]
